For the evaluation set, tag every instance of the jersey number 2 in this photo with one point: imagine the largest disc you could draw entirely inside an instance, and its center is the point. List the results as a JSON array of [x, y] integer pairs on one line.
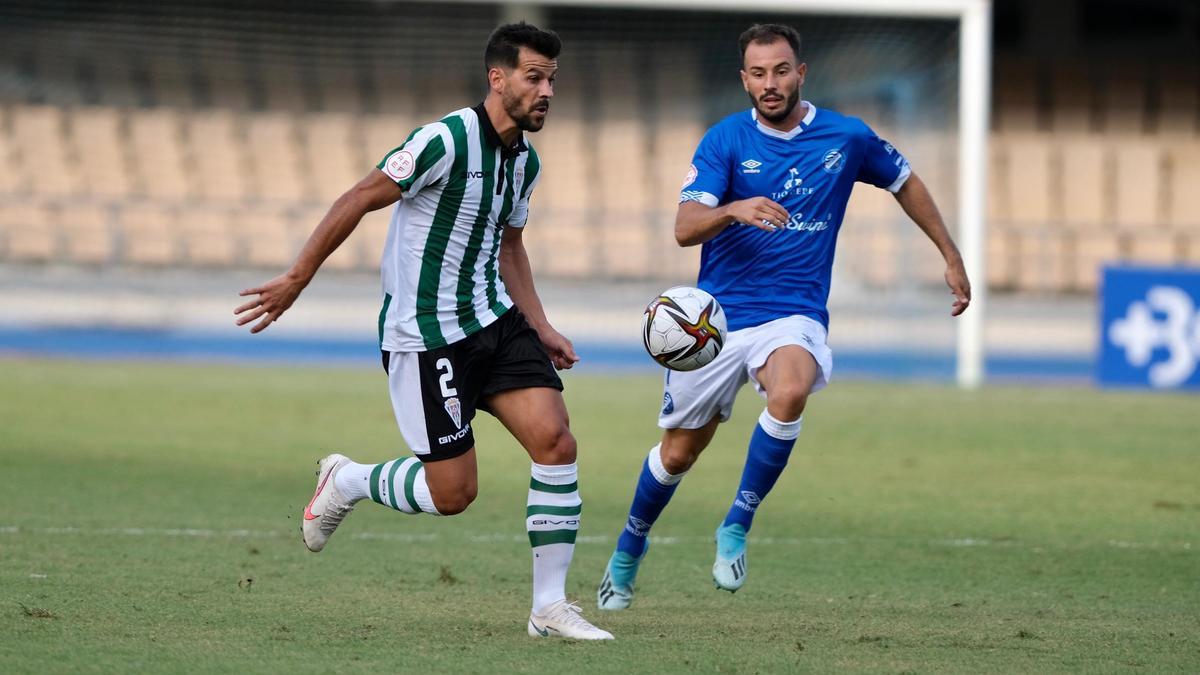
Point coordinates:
[[447, 370]]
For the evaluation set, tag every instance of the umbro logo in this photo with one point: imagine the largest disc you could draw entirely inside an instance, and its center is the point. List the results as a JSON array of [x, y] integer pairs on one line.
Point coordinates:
[[751, 166], [747, 501], [637, 527]]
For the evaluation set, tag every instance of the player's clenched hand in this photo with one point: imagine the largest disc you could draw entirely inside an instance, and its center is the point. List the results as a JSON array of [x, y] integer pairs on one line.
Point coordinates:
[[960, 286], [759, 212], [273, 299], [562, 352]]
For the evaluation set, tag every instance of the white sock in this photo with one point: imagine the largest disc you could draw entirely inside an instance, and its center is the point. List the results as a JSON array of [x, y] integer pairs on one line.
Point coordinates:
[[552, 520], [352, 481], [659, 471], [398, 484]]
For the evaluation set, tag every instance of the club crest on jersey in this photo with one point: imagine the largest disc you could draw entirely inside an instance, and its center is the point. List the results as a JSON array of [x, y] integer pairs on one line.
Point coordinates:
[[690, 177], [751, 166], [454, 410], [833, 161], [400, 165]]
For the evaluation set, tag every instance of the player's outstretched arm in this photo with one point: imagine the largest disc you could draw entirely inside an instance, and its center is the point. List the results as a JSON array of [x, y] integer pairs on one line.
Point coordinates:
[[696, 223], [914, 197], [274, 297], [518, 279]]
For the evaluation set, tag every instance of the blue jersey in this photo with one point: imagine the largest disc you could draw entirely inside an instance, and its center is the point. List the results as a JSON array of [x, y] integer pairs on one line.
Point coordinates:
[[760, 276]]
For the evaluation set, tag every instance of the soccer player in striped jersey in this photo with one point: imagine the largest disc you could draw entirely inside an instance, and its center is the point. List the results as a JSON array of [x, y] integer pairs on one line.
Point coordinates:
[[765, 196], [461, 328]]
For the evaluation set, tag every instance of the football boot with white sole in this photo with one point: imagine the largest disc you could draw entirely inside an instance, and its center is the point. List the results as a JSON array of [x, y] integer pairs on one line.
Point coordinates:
[[328, 508], [616, 588], [729, 571], [563, 619]]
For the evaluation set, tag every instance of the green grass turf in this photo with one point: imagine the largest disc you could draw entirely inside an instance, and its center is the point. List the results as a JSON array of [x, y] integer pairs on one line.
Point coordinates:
[[150, 516]]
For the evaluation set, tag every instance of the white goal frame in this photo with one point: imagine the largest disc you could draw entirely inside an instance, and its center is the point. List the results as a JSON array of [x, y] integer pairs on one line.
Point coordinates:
[[974, 101]]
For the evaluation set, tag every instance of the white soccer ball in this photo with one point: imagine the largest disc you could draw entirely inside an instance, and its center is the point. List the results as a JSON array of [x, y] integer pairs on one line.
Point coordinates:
[[683, 328]]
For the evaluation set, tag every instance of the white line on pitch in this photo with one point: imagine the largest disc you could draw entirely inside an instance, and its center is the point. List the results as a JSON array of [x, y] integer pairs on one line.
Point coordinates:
[[499, 537]]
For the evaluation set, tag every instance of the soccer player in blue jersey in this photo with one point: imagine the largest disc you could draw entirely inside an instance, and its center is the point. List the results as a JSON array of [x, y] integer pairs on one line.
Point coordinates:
[[765, 196]]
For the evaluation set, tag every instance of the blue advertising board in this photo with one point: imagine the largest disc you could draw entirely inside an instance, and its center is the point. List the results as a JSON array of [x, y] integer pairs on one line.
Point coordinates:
[[1150, 328]]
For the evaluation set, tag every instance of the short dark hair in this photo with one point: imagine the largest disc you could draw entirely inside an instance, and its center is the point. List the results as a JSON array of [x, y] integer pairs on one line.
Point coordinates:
[[504, 45], [766, 33]]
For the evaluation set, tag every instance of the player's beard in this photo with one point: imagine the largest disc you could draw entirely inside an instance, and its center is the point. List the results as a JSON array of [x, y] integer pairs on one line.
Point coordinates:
[[792, 99], [524, 117]]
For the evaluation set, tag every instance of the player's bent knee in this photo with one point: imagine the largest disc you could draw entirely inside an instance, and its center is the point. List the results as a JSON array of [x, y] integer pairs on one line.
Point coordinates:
[[558, 448], [455, 503], [677, 460], [679, 454], [787, 401], [455, 499]]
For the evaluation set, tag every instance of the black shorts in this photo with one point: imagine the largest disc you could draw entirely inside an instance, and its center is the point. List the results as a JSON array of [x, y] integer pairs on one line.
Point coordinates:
[[435, 394]]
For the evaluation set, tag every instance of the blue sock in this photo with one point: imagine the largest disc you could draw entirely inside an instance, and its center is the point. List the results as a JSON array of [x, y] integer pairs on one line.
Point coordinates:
[[654, 489], [770, 445]]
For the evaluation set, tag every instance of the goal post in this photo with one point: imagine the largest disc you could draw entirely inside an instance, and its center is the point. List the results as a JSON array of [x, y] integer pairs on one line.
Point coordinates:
[[974, 20]]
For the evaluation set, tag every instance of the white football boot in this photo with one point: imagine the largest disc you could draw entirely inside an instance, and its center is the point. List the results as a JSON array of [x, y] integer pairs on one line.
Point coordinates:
[[328, 507], [562, 619], [729, 570]]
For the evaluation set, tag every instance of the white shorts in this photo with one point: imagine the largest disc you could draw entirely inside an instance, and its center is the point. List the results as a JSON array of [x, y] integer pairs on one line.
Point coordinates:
[[691, 399]]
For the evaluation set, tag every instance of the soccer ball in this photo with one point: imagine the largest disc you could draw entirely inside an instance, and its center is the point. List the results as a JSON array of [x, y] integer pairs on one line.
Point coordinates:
[[683, 328]]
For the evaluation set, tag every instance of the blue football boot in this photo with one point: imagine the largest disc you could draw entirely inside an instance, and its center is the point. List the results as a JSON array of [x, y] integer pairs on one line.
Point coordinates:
[[729, 571]]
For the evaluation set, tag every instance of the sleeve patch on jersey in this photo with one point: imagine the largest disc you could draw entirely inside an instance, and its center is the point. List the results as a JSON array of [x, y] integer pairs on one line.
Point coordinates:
[[704, 198], [690, 177], [400, 165], [905, 172]]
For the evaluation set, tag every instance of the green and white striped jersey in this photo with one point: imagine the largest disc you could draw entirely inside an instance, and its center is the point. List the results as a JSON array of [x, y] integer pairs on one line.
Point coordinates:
[[441, 272]]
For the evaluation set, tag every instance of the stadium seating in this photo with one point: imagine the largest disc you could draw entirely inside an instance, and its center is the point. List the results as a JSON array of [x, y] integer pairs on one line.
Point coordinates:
[[1179, 100], [11, 182], [221, 167], [371, 236], [266, 236], [332, 157], [1183, 189], [161, 155], [152, 235], [96, 143], [1016, 96], [39, 140], [1084, 182], [30, 234], [87, 232], [1122, 99], [277, 158], [160, 162]]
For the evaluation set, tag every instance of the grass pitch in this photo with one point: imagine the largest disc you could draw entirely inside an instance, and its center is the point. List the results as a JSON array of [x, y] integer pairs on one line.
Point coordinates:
[[150, 525]]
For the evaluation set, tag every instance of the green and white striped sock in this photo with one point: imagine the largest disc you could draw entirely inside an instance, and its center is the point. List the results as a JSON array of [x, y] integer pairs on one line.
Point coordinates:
[[552, 520], [398, 484]]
